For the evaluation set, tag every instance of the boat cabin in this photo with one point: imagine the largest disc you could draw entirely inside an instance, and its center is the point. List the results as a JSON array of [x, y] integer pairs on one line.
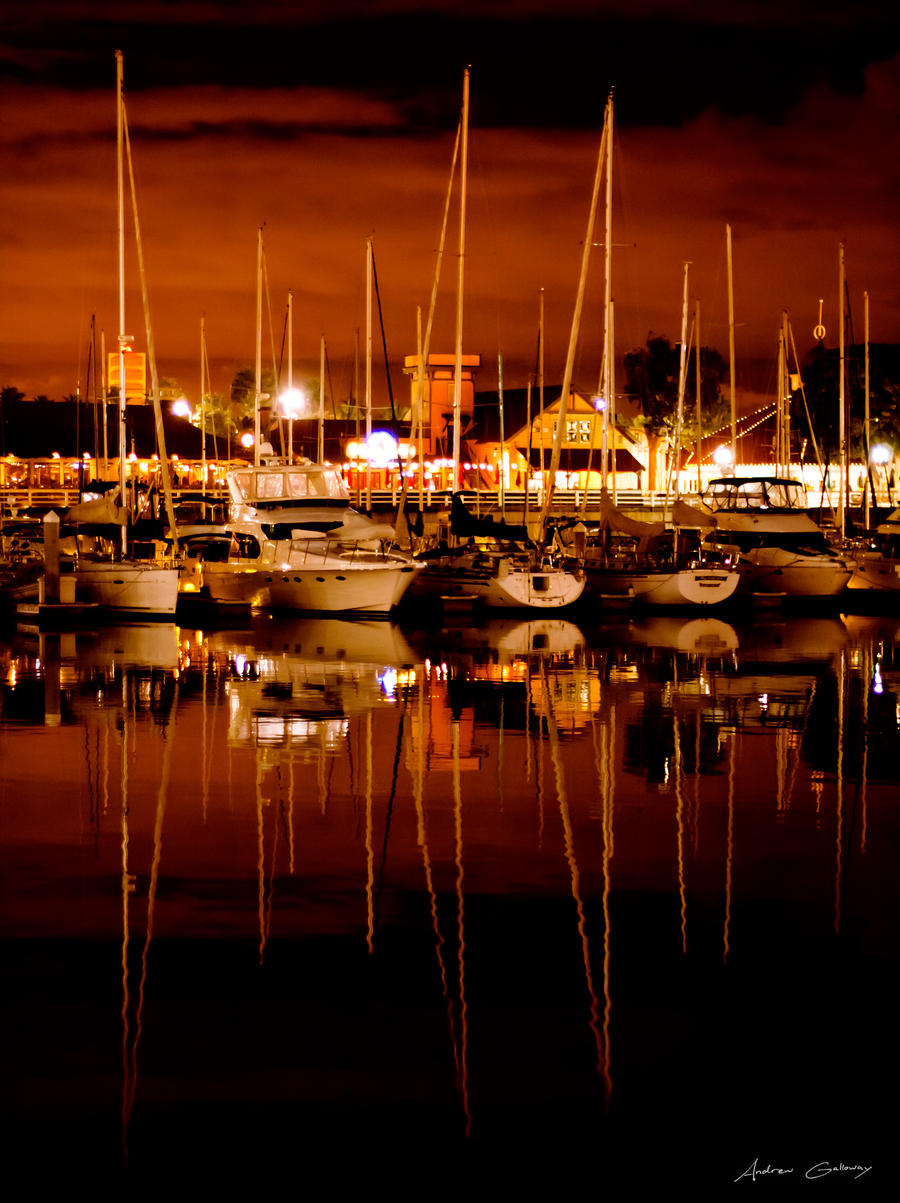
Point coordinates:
[[754, 493], [277, 484]]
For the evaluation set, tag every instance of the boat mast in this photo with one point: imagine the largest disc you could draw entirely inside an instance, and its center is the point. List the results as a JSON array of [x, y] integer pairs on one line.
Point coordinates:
[[866, 449], [321, 457], [573, 333], [540, 384], [123, 338], [104, 389], [779, 408], [290, 373], [609, 409], [502, 479], [151, 346], [457, 364], [424, 348], [730, 266], [420, 393], [258, 378], [699, 396], [682, 380], [786, 397], [842, 419], [203, 401], [368, 369]]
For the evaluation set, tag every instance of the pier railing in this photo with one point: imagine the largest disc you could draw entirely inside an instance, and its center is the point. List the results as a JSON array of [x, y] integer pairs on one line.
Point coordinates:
[[565, 501]]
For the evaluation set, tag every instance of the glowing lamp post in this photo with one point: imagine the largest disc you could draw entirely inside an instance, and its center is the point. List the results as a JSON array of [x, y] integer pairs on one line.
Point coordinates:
[[247, 439], [881, 455], [723, 458], [292, 402], [381, 449]]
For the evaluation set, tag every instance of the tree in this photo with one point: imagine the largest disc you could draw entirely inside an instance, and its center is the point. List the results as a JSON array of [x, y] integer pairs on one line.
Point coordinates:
[[243, 392], [9, 397], [651, 374], [219, 419], [821, 379]]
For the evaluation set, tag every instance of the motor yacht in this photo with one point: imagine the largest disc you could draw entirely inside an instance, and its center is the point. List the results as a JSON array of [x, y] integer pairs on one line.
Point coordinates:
[[762, 522]]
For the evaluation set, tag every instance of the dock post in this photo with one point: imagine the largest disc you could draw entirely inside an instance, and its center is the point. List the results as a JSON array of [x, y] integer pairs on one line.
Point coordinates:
[[50, 592]]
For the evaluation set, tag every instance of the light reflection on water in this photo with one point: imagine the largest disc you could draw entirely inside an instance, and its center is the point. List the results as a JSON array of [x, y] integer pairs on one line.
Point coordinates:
[[505, 887]]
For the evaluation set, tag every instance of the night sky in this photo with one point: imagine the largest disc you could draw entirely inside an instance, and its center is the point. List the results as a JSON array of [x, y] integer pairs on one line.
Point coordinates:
[[331, 122]]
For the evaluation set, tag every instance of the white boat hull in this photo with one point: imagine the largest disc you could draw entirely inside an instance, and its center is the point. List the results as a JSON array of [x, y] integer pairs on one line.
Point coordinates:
[[684, 587], [515, 589], [127, 586], [374, 590], [773, 570], [877, 573]]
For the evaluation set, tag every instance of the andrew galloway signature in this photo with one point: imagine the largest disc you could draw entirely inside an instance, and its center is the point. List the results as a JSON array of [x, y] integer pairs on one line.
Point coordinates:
[[821, 1169]]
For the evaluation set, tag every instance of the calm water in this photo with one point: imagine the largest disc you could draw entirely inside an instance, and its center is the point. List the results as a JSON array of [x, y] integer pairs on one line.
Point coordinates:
[[413, 908]]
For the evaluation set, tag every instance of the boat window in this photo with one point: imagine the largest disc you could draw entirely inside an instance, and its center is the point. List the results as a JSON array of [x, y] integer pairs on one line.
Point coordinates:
[[720, 495], [752, 496], [245, 547], [785, 495], [269, 484], [298, 484], [319, 483], [242, 481]]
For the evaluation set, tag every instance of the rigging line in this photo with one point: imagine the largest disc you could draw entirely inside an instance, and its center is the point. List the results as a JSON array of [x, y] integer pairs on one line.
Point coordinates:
[[330, 382], [370, 852], [387, 367], [562, 799], [496, 233], [260, 860], [151, 346], [274, 860], [276, 366], [422, 840], [461, 934], [284, 332], [390, 811], [161, 800]]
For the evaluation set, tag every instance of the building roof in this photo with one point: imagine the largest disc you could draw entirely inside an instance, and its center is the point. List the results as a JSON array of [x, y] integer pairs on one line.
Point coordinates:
[[38, 429], [516, 408]]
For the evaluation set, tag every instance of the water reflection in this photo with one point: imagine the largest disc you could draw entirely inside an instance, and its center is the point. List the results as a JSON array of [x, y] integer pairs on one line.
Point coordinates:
[[521, 878]]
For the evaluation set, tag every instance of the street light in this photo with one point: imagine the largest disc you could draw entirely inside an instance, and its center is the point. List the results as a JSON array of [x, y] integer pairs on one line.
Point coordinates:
[[292, 402], [381, 448], [881, 455], [723, 458]]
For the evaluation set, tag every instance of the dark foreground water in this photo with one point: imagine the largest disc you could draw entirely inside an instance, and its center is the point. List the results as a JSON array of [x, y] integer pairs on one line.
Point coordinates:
[[525, 909]]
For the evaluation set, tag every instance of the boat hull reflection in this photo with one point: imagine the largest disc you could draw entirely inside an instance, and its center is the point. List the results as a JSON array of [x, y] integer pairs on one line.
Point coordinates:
[[497, 899]]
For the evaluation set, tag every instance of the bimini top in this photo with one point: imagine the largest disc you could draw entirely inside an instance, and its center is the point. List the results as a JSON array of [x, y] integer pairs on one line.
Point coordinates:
[[754, 493]]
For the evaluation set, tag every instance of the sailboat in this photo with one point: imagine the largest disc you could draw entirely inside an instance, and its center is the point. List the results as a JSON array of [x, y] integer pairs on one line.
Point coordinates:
[[293, 542], [626, 557], [878, 563], [507, 572], [762, 524], [504, 571], [120, 582]]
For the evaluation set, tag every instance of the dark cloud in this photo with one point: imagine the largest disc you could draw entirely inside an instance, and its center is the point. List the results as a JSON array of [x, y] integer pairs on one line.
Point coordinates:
[[540, 65], [329, 129]]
